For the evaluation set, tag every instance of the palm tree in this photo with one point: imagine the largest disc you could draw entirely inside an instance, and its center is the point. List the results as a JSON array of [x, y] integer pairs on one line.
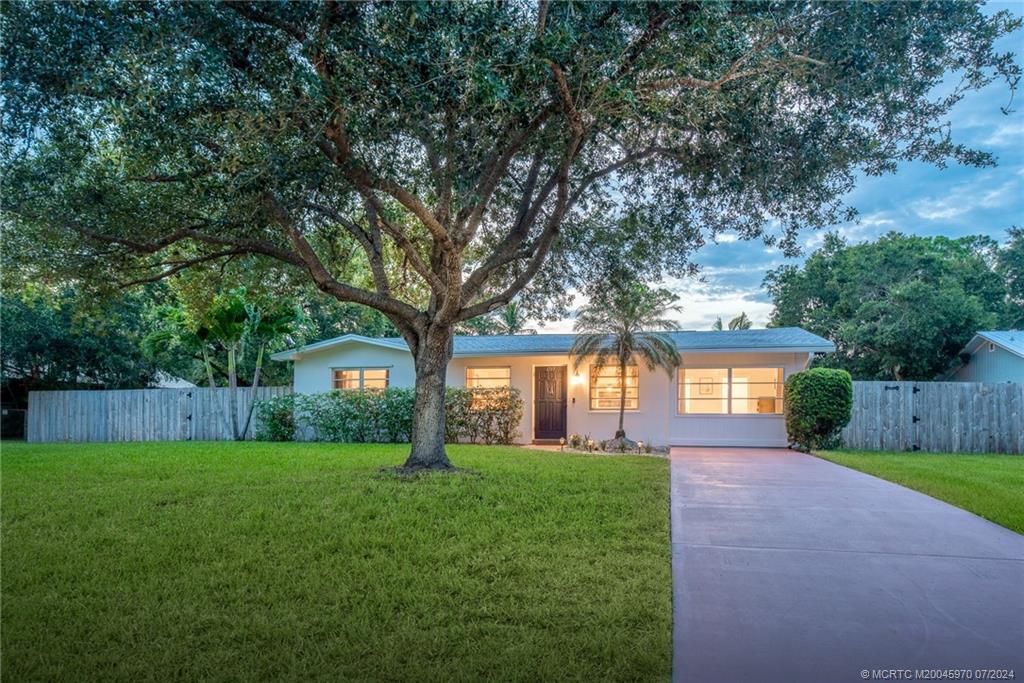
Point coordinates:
[[740, 322], [510, 320], [628, 323]]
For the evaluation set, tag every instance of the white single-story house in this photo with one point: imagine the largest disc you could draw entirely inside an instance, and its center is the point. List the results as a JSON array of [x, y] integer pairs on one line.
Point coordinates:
[[991, 356], [728, 392]]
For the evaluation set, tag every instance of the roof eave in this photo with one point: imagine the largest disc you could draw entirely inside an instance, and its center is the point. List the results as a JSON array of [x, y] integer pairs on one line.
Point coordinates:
[[983, 338], [299, 352], [701, 349]]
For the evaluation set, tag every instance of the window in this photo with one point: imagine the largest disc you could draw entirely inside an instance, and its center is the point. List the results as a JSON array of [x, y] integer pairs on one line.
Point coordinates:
[[346, 379], [704, 391], [606, 388], [360, 378], [756, 390], [488, 378], [375, 378], [730, 391]]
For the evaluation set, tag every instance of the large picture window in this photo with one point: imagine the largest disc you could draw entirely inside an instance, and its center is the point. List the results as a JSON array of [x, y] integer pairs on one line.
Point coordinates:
[[730, 391], [606, 386], [348, 379], [488, 378]]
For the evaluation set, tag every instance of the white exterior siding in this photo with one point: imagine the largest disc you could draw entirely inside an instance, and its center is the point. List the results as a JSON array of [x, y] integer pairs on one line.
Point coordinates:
[[656, 421], [521, 373], [313, 368], [998, 365], [732, 430]]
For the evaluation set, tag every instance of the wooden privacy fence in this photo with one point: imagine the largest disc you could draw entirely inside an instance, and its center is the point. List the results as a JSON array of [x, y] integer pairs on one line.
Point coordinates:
[[195, 414], [945, 417]]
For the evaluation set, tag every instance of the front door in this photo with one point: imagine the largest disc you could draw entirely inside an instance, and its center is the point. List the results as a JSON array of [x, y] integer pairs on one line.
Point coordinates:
[[549, 392]]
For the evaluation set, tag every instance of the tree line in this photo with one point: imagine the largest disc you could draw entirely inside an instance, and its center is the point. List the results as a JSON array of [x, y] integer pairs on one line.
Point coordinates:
[[902, 307]]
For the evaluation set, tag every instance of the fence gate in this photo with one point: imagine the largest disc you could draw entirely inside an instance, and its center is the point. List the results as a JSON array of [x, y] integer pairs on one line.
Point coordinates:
[[966, 417]]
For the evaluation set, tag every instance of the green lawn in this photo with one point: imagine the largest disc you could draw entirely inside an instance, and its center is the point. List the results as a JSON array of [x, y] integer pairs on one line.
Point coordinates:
[[304, 562], [991, 486]]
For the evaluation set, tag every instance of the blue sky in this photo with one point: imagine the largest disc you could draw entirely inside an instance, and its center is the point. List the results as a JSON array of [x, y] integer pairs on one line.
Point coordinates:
[[918, 199]]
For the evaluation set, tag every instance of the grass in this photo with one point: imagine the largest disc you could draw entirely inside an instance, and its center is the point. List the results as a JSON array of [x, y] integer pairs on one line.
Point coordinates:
[[305, 562], [991, 486]]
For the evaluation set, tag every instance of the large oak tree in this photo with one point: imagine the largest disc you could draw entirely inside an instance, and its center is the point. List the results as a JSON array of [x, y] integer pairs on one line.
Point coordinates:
[[469, 151]]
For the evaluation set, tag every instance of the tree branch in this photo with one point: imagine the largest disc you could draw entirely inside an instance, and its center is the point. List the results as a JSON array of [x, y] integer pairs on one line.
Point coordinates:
[[562, 87], [254, 15], [508, 250], [182, 265], [735, 71], [336, 148], [371, 246], [628, 159], [494, 172], [541, 246], [542, 17], [323, 278]]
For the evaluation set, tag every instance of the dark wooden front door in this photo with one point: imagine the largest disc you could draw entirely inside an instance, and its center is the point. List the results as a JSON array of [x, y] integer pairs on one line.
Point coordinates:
[[549, 391]]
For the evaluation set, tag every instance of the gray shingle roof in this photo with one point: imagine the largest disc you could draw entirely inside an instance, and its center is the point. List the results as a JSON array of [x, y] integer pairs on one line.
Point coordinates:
[[780, 339], [1011, 340]]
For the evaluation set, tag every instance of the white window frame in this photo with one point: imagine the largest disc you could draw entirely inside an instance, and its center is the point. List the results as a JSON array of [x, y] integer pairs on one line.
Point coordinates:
[[728, 397], [487, 367], [590, 390], [362, 376]]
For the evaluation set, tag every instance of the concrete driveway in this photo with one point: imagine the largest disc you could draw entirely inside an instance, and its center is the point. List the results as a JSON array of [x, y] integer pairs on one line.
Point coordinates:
[[790, 568]]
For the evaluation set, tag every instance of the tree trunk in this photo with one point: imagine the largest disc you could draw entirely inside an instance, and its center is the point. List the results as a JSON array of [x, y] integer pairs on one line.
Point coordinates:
[[621, 433], [255, 386], [213, 385], [428, 415], [233, 391]]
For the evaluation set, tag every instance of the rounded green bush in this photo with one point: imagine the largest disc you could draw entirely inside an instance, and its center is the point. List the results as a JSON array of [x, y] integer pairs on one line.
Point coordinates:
[[818, 406]]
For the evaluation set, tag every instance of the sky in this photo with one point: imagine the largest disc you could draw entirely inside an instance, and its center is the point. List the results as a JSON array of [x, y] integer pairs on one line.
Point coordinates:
[[919, 199]]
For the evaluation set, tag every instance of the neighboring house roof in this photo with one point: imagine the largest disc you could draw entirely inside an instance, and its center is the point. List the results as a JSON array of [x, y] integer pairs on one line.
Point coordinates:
[[776, 339], [165, 380], [1011, 340]]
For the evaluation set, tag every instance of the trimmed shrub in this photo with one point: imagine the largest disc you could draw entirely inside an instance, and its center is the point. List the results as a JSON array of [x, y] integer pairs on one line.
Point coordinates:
[[275, 418], [489, 416], [818, 406], [458, 425], [492, 415]]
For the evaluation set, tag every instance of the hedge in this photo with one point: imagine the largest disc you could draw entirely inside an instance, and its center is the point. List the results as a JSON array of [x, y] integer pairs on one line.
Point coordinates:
[[818, 405], [489, 416]]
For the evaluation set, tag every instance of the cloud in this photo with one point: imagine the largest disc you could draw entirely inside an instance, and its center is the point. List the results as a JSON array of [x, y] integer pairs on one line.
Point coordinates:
[[702, 307], [939, 209], [1007, 135], [702, 300], [967, 197]]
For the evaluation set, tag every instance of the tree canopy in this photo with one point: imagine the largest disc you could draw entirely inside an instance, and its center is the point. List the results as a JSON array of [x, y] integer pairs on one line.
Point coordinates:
[[459, 137], [65, 341], [435, 160], [898, 308], [1010, 265]]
